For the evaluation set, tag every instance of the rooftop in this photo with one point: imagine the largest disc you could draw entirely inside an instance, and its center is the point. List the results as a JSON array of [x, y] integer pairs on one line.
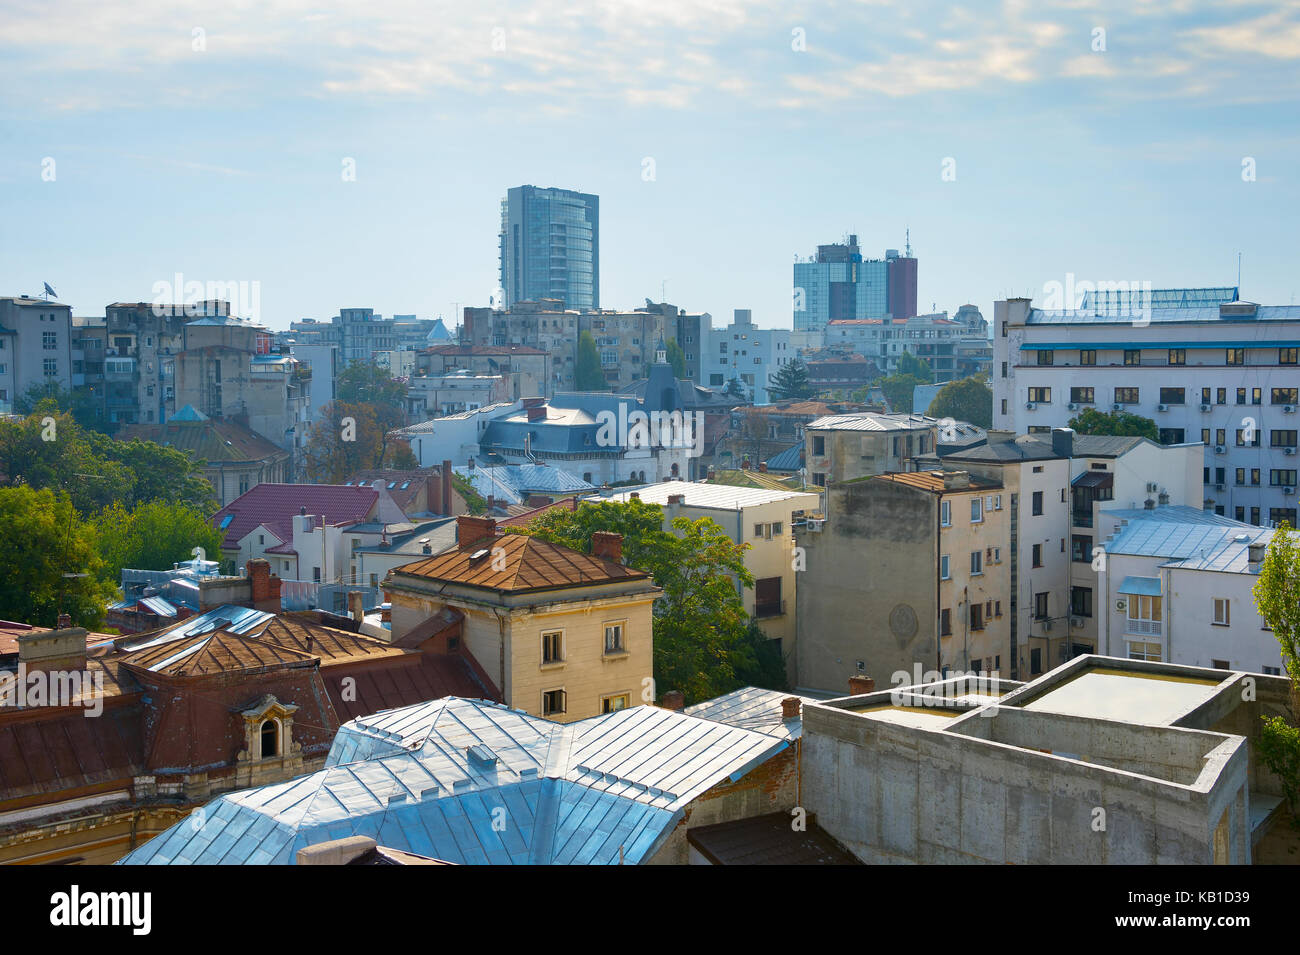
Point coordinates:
[[275, 506], [938, 481], [720, 496], [872, 421]]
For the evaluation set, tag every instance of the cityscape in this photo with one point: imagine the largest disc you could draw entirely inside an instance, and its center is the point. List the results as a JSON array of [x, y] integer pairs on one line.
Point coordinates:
[[909, 552]]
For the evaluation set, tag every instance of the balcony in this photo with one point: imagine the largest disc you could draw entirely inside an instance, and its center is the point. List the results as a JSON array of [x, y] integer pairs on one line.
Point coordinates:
[[1146, 628], [1082, 518]]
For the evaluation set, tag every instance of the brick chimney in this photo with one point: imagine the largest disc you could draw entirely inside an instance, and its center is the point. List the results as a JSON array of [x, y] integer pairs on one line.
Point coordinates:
[[608, 545], [673, 700], [62, 649], [470, 528], [676, 498], [858, 685], [762, 467], [791, 707], [356, 604], [264, 586], [537, 413]]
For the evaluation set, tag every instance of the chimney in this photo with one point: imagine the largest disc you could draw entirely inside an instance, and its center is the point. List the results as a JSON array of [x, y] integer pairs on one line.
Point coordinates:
[[264, 592], [608, 545], [955, 479], [762, 467], [537, 413], [492, 502], [62, 649], [356, 604], [1063, 442], [470, 529], [336, 851], [676, 498], [65, 621], [635, 495], [673, 700], [791, 707], [446, 489], [859, 685], [1255, 555]]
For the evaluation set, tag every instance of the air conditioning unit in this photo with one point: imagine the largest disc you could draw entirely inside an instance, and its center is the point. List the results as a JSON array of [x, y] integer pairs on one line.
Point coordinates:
[[1288, 490], [1205, 409], [1076, 622], [1030, 406], [1117, 406], [1072, 407], [1288, 450], [1288, 409], [1162, 407], [1220, 449]]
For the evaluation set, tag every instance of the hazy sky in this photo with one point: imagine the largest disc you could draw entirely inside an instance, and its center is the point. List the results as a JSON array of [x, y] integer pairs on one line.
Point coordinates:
[[224, 162]]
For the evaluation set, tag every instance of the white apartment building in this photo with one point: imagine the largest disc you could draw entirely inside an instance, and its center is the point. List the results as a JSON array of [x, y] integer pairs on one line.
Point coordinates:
[[1204, 366], [742, 350], [933, 338], [1176, 586]]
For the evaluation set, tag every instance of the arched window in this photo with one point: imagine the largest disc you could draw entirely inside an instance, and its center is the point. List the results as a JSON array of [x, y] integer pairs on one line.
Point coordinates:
[[270, 739]]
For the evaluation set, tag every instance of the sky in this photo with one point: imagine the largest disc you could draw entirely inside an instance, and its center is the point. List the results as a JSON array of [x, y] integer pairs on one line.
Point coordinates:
[[1017, 142]]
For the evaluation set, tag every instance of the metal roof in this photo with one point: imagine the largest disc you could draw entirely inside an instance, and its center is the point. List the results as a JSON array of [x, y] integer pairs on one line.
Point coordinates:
[[1232, 556], [1142, 586], [227, 617], [751, 708], [871, 422], [1163, 536], [600, 791], [722, 496]]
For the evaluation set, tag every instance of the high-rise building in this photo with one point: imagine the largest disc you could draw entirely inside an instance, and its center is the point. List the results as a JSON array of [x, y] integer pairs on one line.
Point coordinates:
[[550, 247], [839, 284]]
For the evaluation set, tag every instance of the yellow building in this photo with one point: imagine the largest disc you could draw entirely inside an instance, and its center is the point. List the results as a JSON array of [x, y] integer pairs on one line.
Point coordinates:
[[558, 633]]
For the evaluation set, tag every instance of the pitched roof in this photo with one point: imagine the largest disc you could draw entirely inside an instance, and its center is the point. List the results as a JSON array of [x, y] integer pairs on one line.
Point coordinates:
[[936, 481], [434, 779], [275, 505], [768, 840], [216, 652], [869, 421], [526, 564], [752, 708], [206, 439]]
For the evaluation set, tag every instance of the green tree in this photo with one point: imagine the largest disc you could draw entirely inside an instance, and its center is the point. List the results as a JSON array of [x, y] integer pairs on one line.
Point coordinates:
[[350, 438], [969, 399], [899, 389], [736, 389], [677, 358], [78, 402], [365, 382], [475, 503], [791, 381], [50, 560], [909, 364], [1117, 423], [153, 536], [589, 374], [1277, 598], [703, 644]]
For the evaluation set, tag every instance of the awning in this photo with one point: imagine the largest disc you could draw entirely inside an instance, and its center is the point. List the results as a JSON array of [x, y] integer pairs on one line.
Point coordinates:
[[1142, 586], [1095, 479]]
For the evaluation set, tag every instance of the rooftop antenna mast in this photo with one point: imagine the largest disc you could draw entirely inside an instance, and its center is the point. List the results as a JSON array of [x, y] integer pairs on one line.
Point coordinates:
[[1238, 275], [908, 234]]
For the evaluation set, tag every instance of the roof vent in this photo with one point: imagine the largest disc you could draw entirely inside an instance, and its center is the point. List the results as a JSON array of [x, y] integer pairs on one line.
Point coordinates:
[[480, 554], [482, 755]]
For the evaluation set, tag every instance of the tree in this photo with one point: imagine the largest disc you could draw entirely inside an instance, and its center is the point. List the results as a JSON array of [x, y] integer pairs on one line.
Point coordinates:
[[153, 536], [969, 399], [899, 390], [474, 501], [736, 390], [589, 373], [364, 382], [909, 364], [1118, 423], [1277, 598], [703, 644], [349, 438], [790, 381], [78, 402], [677, 358], [51, 564]]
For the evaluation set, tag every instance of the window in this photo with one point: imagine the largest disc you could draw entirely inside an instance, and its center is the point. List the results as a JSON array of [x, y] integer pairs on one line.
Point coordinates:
[[1038, 503], [944, 573], [1254, 477], [1172, 435], [997, 608], [977, 616], [1236, 356], [1046, 357], [1241, 438], [1205, 396], [1041, 395], [1132, 356], [1287, 356], [1282, 477], [1270, 671], [1282, 439], [1087, 356], [767, 597], [1279, 514], [1081, 601], [1038, 555], [976, 510], [1144, 614], [1081, 548], [609, 704], [1221, 396], [1004, 405], [1254, 516], [1004, 369], [315, 574], [1173, 396], [819, 444], [1040, 606], [1241, 396], [1126, 396], [1284, 396], [270, 739], [49, 341], [1256, 396], [1205, 436], [976, 563], [553, 702], [1221, 611], [614, 638], [553, 647], [945, 513], [1241, 478], [51, 367], [1081, 396], [945, 622], [1177, 356], [1144, 651]]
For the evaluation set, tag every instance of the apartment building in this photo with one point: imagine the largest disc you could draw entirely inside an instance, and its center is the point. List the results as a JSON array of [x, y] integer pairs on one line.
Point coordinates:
[[526, 370], [564, 635], [35, 346], [745, 352], [763, 520], [848, 446], [1202, 364], [935, 338], [905, 570], [1056, 485], [143, 340]]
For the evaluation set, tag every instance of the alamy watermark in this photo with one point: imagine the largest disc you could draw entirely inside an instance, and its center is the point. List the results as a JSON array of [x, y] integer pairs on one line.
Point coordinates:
[[29, 688], [654, 429], [1123, 299], [195, 299]]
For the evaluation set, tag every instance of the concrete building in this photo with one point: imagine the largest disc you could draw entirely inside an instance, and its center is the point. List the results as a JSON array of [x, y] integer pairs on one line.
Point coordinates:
[[447, 393], [563, 635], [35, 346], [746, 352], [526, 370], [848, 446], [1101, 761], [904, 570], [549, 247], [760, 518], [320, 363], [1200, 363], [143, 340]]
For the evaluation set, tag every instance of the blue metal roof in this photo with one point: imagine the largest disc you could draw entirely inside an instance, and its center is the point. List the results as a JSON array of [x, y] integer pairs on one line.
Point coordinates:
[[227, 617], [1143, 586], [600, 791], [791, 459]]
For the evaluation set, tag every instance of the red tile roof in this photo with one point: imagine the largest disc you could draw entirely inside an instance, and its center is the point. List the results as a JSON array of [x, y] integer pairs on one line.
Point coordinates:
[[276, 504]]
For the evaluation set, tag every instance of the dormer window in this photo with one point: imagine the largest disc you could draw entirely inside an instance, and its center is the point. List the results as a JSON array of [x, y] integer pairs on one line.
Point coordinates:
[[270, 739]]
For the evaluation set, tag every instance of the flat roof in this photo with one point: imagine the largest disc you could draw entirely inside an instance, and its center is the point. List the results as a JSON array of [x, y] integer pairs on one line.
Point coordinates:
[[1128, 696], [698, 494], [923, 717]]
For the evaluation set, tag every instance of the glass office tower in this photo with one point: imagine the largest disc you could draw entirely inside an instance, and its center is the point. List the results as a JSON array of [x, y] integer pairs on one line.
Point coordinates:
[[550, 247]]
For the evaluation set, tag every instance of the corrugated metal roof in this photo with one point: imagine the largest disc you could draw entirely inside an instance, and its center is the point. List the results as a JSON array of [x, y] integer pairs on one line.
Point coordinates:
[[600, 791]]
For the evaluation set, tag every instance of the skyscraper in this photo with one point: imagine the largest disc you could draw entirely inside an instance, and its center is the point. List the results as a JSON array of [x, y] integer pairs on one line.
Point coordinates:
[[838, 283], [550, 247]]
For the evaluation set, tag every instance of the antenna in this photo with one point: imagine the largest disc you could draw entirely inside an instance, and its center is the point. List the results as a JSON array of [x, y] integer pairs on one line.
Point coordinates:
[[908, 234], [1238, 275]]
